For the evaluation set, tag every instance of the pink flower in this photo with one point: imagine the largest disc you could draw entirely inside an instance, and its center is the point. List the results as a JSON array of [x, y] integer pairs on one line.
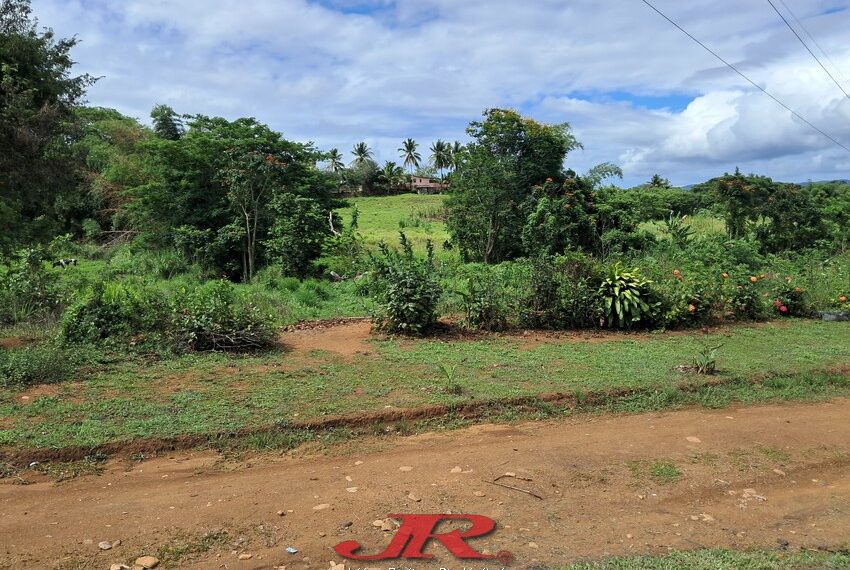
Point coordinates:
[[783, 309]]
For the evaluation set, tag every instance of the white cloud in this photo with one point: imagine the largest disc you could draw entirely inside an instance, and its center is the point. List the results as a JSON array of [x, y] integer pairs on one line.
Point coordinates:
[[341, 71]]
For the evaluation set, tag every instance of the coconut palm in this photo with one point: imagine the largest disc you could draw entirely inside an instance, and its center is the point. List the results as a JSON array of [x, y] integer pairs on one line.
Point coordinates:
[[441, 155], [392, 175], [408, 152], [335, 160], [455, 152], [361, 153]]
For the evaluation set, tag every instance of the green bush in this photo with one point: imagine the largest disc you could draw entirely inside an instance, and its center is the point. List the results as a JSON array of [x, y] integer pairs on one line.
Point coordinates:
[[116, 312], [791, 302], [406, 289], [484, 302], [28, 289], [627, 299], [40, 364], [213, 317], [748, 303]]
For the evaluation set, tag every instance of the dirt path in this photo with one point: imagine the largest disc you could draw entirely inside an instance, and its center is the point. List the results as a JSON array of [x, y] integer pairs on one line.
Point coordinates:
[[749, 477]]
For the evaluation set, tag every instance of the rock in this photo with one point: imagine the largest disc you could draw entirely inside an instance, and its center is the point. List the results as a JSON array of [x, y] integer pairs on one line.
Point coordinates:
[[346, 524], [321, 507], [629, 536], [104, 545], [378, 523], [281, 514], [358, 463], [246, 556], [693, 439], [118, 566], [532, 545], [351, 489], [510, 474], [405, 468], [335, 566], [456, 470], [147, 562], [480, 494], [348, 478], [413, 498], [322, 535], [779, 472], [707, 518]]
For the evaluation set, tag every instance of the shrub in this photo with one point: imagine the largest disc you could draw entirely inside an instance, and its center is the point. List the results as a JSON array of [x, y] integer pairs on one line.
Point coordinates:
[[40, 364], [28, 289], [791, 302], [115, 312], [747, 302], [483, 302], [626, 299], [562, 292], [406, 289], [212, 317]]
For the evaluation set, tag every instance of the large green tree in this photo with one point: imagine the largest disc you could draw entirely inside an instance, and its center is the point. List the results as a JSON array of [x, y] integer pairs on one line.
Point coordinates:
[[494, 180], [38, 94]]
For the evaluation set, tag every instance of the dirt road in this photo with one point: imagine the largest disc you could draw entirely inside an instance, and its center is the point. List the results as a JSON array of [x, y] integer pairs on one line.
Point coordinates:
[[767, 477]]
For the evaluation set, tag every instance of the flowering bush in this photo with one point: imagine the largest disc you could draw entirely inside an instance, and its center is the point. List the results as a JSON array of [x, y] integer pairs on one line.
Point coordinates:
[[791, 302]]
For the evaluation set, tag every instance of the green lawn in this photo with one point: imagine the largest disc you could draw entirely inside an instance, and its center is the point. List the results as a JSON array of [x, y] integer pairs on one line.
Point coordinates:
[[211, 393], [724, 560], [382, 217]]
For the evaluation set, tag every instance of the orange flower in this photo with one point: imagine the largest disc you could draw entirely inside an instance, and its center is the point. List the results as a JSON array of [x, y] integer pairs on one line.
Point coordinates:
[[691, 308], [798, 290], [724, 275], [842, 299], [753, 279], [676, 272]]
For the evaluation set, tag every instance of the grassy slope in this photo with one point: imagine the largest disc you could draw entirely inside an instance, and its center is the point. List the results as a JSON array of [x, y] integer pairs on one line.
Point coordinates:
[[381, 218], [211, 393]]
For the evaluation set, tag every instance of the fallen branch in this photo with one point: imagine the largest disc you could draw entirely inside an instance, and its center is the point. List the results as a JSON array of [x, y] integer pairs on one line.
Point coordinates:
[[526, 491]]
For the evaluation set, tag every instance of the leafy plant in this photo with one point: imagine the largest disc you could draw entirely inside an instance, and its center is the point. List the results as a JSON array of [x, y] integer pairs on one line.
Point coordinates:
[[39, 364], [676, 229], [483, 304], [406, 288], [705, 362], [626, 298], [452, 387], [214, 318]]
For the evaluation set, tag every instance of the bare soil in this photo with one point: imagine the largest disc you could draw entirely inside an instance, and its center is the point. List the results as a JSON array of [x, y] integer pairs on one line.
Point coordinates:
[[766, 477]]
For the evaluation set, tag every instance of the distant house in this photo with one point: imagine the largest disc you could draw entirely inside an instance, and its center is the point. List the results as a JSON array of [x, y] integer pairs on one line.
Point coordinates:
[[423, 185]]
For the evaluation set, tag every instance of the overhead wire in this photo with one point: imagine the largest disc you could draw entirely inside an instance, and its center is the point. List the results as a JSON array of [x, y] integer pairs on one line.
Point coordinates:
[[805, 45], [744, 76]]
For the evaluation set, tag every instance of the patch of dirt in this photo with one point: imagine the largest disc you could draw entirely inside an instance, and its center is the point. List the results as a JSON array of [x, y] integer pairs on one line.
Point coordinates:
[[30, 395], [347, 337], [592, 504], [13, 342]]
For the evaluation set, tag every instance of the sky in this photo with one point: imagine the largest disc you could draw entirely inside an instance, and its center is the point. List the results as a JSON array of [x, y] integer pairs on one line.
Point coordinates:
[[635, 90]]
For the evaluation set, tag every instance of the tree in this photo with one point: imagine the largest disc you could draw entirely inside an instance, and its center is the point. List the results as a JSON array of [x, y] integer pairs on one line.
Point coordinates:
[[166, 123], [38, 95], [441, 155], [362, 153], [391, 176], [658, 182], [410, 155], [335, 163], [492, 185], [250, 179], [298, 233], [455, 154]]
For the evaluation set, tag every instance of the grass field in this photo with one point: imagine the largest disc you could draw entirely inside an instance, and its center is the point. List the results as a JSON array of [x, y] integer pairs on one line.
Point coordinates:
[[121, 400], [420, 217], [723, 560]]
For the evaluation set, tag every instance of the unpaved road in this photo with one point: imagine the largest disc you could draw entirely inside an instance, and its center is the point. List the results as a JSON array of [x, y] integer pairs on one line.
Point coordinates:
[[750, 477]]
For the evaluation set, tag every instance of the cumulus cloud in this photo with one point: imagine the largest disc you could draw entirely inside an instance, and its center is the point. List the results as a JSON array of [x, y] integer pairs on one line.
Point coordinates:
[[340, 71]]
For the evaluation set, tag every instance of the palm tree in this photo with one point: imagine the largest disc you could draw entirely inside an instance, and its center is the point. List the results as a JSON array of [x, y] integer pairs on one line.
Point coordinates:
[[392, 175], [455, 152], [410, 155], [335, 160], [361, 153], [441, 155]]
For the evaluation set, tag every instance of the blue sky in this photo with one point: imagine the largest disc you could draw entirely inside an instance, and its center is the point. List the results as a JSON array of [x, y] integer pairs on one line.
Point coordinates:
[[636, 91]]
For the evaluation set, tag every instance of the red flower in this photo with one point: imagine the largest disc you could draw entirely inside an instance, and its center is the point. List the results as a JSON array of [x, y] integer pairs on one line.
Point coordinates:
[[777, 303], [783, 309]]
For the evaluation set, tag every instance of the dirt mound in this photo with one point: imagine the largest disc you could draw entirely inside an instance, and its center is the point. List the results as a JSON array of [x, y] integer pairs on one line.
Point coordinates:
[[762, 477]]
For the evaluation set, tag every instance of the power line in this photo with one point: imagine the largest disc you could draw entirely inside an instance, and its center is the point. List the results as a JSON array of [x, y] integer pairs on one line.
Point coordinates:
[[739, 72], [790, 27], [814, 41]]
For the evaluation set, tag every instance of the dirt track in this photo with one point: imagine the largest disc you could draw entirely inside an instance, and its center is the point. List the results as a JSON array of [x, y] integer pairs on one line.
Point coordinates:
[[750, 477]]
